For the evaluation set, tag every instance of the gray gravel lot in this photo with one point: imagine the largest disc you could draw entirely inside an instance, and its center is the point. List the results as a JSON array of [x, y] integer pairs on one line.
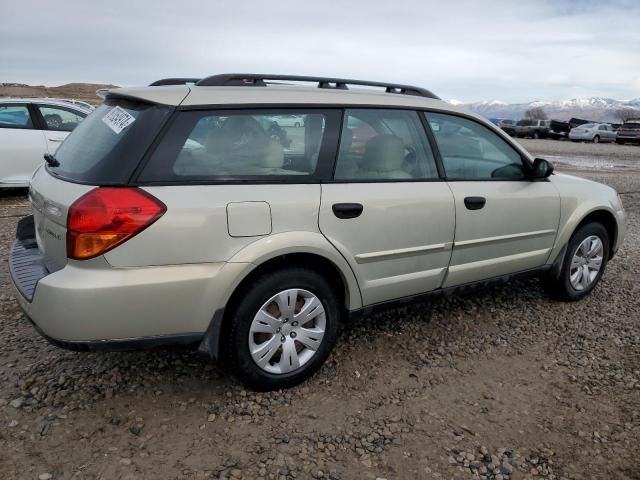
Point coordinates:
[[501, 383]]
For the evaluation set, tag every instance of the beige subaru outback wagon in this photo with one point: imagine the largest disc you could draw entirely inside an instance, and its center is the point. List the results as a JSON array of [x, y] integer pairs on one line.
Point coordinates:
[[195, 212]]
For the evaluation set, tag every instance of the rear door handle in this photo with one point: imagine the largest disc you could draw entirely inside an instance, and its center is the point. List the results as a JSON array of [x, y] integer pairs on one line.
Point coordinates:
[[474, 203], [347, 210]]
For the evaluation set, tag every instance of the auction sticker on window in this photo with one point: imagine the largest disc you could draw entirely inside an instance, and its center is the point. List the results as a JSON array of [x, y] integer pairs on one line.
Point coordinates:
[[118, 119]]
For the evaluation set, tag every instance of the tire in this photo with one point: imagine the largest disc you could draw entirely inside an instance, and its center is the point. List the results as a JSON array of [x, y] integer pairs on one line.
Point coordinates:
[[536, 135], [620, 142], [297, 125], [596, 139], [256, 299], [561, 286]]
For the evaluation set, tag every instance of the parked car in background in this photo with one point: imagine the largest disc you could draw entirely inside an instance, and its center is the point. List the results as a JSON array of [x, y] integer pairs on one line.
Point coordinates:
[[593, 132], [629, 132], [559, 130], [291, 121], [508, 126], [148, 229], [532, 128], [29, 128]]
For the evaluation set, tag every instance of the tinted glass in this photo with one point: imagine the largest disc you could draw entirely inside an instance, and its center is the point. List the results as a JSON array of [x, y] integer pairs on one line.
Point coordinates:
[[631, 125], [15, 116], [107, 146], [469, 150], [384, 144], [60, 119], [239, 145]]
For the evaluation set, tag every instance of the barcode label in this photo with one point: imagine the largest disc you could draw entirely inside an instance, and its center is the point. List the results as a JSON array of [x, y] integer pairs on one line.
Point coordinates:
[[118, 119]]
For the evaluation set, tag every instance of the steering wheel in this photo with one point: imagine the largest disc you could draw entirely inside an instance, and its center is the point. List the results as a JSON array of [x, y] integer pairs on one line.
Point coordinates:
[[53, 121], [512, 170]]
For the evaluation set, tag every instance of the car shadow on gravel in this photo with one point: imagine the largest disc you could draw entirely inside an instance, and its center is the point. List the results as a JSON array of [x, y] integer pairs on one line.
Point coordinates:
[[53, 377]]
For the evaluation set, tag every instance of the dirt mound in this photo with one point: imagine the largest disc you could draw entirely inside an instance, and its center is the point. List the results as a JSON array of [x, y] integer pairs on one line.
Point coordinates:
[[78, 91]]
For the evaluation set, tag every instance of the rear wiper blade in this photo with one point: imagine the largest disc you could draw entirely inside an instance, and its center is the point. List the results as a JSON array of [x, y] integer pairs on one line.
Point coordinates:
[[51, 160]]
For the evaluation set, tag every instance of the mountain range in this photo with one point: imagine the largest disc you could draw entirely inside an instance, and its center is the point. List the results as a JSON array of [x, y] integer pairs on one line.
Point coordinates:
[[595, 108]]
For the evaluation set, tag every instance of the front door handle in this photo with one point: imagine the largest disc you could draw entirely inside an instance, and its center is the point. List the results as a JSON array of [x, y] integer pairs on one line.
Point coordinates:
[[347, 210], [474, 203]]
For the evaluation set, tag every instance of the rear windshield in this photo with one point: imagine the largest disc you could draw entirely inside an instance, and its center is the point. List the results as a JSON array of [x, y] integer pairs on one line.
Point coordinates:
[[524, 123], [588, 125], [108, 145]]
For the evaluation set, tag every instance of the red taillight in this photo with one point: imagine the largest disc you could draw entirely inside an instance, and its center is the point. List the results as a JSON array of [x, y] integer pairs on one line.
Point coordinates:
[[106, 217]]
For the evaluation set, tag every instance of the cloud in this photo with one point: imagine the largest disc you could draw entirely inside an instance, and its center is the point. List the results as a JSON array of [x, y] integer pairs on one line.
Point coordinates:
[[514, 51]]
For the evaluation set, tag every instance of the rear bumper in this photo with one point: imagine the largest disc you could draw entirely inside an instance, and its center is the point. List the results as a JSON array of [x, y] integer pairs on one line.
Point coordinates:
[[91, 305]]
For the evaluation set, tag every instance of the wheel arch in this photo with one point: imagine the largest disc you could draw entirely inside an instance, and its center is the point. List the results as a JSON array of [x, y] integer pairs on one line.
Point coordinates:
[[309, 250], [608, 221], [601, 215]]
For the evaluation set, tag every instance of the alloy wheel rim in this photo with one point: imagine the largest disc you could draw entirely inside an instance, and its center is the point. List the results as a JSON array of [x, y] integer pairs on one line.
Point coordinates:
[[586, 263], [287, 331]]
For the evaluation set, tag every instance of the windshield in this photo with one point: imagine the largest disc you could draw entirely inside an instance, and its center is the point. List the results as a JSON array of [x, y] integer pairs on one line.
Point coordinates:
[[588, 125], [631, 125], [108, 145]]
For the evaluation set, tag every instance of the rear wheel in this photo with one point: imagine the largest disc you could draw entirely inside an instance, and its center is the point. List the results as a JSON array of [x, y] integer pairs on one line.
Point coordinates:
[[583, 265], [283, 329], [596, 139], [536, 135]]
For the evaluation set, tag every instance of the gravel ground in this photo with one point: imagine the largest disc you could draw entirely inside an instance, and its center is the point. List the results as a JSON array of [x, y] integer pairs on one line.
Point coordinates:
[[502, 383]]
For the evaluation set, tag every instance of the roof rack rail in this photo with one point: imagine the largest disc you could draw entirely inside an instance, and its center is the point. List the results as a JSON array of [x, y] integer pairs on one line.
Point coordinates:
[[261, 80], [173, 81]]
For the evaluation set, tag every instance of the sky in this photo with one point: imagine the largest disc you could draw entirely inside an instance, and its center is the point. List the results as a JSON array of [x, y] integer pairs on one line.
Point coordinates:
[[513, 51]]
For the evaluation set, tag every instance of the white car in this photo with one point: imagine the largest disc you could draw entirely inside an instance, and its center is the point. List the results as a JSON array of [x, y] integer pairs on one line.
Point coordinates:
[[172, 215], [593, 132], [29, 128]]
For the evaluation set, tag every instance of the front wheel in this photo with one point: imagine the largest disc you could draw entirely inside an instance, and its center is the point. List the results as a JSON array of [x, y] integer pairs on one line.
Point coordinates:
[[536, 135], [583, 265], [283, 329], [596, 139]]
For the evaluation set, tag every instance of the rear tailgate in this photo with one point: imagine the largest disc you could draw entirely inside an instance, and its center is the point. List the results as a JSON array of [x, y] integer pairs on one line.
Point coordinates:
[[51, 198]]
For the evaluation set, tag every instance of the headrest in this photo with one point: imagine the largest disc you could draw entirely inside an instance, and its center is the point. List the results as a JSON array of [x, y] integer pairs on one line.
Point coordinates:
[[383, 153]]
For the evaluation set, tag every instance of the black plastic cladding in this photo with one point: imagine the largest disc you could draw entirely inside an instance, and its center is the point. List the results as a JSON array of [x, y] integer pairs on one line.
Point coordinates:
[[260, 80]]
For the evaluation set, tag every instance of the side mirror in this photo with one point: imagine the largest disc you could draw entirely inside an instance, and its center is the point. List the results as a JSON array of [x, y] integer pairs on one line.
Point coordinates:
[[541, 168]]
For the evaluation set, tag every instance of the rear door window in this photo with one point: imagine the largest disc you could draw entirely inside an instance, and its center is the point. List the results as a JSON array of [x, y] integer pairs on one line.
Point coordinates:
[[60, 119], [264, 145], [15, 116], [380, 144]]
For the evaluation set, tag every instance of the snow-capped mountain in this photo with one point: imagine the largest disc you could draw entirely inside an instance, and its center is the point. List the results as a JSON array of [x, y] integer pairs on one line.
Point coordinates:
[[594, 108]]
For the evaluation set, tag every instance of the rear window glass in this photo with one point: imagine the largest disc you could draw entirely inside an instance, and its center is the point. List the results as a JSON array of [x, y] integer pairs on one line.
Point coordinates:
[[588, 125], [107, 146], [239, 144]]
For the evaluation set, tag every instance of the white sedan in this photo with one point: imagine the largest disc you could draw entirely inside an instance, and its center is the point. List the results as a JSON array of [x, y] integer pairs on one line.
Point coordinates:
[[29, 128], [593, 132]]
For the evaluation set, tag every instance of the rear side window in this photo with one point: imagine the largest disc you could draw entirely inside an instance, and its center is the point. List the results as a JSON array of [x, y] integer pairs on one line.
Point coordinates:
[[60, 119], [241, 145], [107, 146], [384, 145], [15, 116]]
